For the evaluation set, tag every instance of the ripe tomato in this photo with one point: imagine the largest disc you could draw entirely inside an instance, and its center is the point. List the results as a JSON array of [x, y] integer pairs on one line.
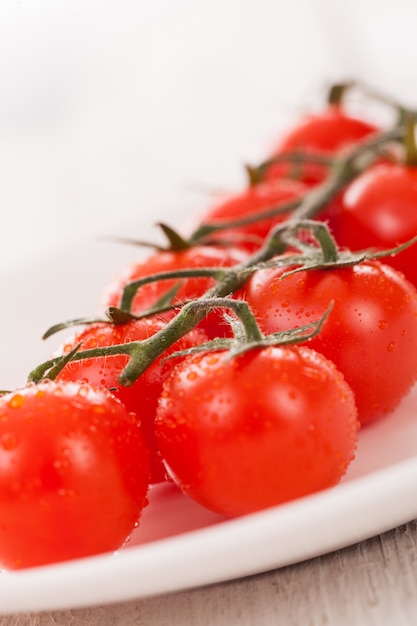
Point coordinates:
[[378, 210], [253, 200], [74, 474], [140, 398], [370, 334], [148, 295], [327, 133], [272, 425]]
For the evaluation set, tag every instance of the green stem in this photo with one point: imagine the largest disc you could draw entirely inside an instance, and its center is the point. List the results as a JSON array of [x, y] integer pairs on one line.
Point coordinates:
[[145, 352], [321, 233], [410, 142], [131, 288], [383, 98], [375, 254], [235, 277], [337, 92], [229, 280], [242, 310], [257, 173], [345, 169], [48, 367], [344, 172], [207, 229]]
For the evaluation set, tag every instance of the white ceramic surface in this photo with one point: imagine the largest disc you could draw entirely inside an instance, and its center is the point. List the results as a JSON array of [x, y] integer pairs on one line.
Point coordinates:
[[178, 544]]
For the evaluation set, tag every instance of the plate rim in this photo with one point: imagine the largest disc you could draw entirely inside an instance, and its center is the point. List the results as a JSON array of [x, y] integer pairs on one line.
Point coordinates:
[[90, 581]]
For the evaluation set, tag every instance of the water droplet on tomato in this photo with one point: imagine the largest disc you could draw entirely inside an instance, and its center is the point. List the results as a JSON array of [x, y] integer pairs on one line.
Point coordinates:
[[98, 409], [16, 401], [382, 324], [66, 493], [62, 463], [391, 346], [9, 441]]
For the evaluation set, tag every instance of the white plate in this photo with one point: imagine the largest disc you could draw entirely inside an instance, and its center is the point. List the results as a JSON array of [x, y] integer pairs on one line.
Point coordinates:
[[179, 545], [88, 139]]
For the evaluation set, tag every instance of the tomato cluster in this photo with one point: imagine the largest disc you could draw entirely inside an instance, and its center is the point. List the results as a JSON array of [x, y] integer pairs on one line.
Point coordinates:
[[246, 408]]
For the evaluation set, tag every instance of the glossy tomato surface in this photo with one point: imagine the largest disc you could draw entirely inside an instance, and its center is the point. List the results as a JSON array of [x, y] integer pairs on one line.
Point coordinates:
[[257, 198], [74, 474], [142, 396], [189, 288], [328, 132], [370, 334], [244, 433], [379, 210]]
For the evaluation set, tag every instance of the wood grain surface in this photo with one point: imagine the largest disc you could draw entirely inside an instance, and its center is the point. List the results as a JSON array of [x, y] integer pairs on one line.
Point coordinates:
[[371, 583]]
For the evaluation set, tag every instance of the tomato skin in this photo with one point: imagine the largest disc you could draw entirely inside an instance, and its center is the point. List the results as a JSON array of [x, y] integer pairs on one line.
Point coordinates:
[[327, 132], [74, 474], [196, 257], [378, 210], [141, 398], [370, 334], [272, 425], [254, 199]]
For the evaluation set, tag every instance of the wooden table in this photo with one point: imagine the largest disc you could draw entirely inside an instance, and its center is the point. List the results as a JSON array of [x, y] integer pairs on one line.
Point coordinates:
[[371, 583]]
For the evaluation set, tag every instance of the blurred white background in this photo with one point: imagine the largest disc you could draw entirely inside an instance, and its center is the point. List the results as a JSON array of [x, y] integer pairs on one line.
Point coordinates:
[[114, 112], [110, 109]]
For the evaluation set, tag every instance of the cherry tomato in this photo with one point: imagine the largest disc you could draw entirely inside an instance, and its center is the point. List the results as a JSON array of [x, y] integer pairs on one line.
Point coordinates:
[[327, 132], [74, 474], [370, 334], [253, 200], [379, 210], [272, 425], [140, 398], [195, 257]]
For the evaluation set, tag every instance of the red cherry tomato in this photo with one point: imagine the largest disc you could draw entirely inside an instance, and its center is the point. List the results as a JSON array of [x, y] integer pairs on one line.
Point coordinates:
[[148, 295], [379, 210], [140, 398], [370, 334], [74, 474], [327, 132], [253, 200], [272, 425]]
